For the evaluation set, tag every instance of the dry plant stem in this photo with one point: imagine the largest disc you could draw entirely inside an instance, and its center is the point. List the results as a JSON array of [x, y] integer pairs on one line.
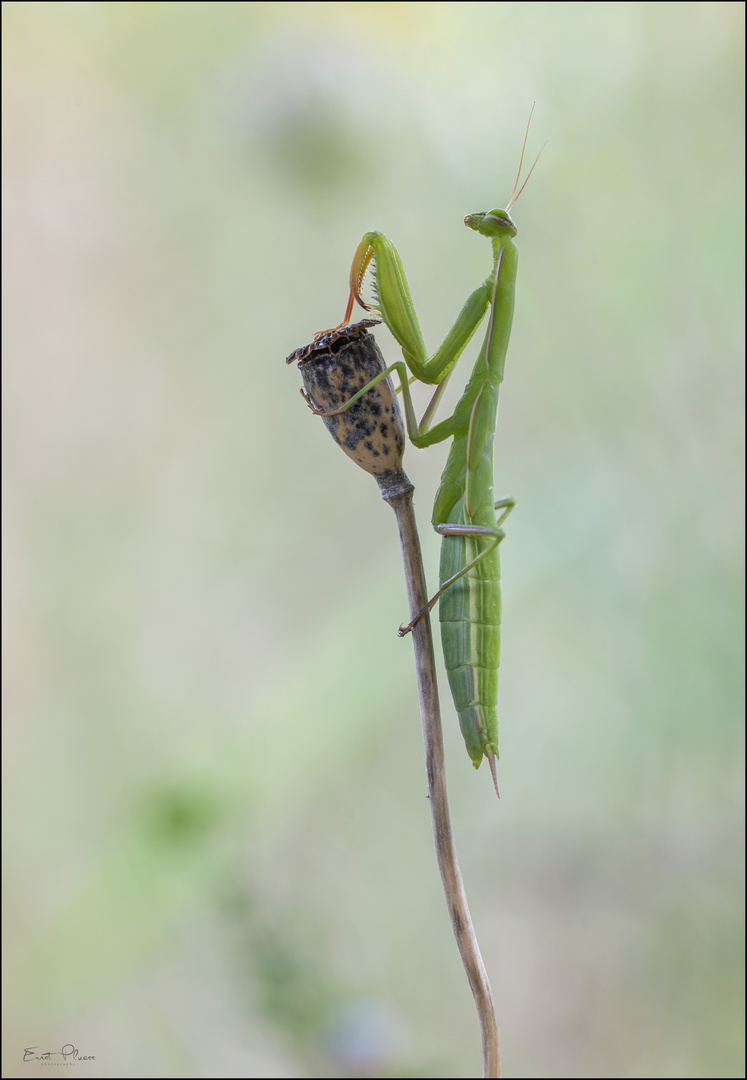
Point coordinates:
[[335, 367], [397, 490]]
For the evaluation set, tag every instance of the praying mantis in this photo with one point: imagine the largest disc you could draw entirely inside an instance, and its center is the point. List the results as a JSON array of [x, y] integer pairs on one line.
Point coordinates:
[[465, 513]]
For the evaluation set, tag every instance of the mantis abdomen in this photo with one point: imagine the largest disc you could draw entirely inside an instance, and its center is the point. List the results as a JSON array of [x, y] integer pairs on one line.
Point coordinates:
[[470, 614], [470, 608]]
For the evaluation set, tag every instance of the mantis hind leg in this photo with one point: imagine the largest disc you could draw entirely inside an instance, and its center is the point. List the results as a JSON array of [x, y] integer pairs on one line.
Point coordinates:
[[449, 529]]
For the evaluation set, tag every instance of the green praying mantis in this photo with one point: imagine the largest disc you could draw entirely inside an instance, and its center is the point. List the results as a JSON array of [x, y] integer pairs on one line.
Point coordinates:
[[465, 512]]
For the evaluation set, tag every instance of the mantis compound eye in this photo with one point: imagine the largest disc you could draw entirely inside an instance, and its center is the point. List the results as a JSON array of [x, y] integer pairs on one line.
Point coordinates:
[[499, 219]]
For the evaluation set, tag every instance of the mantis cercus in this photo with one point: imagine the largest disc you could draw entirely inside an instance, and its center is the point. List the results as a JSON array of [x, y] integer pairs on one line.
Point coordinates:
[[464, 512]]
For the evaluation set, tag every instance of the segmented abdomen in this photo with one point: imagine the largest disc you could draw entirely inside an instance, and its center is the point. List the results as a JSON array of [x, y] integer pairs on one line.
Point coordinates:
[[470, 614]]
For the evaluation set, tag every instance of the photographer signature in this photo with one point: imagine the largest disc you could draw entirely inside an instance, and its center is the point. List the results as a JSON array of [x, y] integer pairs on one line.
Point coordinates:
[[68, 1053]]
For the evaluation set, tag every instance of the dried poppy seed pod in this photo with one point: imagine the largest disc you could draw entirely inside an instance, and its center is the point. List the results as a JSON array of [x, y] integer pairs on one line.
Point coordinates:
[[334, 368]]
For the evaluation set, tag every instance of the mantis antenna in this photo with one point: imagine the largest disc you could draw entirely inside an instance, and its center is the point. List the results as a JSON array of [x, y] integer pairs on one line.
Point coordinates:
[[514, 197]]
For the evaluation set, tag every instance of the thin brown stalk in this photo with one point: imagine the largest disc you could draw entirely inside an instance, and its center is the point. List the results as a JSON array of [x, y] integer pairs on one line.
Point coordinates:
[[400, 501]]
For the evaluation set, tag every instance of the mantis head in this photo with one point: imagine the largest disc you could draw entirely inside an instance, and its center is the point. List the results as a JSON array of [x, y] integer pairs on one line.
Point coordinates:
[[492, 223]]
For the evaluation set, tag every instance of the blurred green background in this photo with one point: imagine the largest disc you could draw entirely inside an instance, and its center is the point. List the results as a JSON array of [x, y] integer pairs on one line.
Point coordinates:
[[218, 849]]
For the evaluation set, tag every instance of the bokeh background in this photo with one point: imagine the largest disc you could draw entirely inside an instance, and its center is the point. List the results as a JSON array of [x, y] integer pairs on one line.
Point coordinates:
[[218, 849]]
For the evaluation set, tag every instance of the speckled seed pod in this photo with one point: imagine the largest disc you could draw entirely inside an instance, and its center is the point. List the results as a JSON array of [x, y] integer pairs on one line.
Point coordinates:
[[337, 367]]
